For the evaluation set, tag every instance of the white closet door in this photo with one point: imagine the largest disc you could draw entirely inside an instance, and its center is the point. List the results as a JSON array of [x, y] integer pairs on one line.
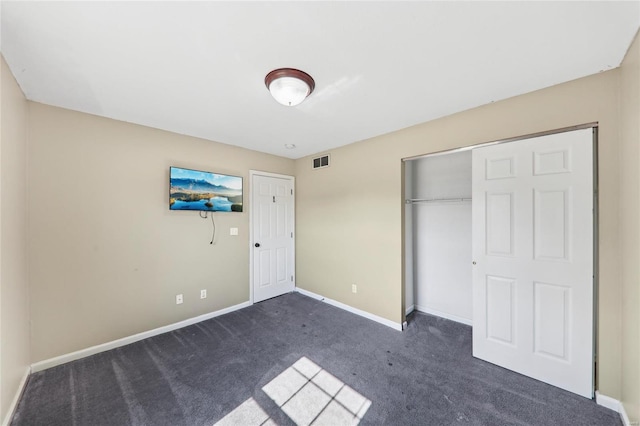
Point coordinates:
[[533, 251]]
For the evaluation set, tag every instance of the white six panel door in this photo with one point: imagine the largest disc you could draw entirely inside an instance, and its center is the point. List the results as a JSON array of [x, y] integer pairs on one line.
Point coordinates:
[[532, 214], [272, 221]]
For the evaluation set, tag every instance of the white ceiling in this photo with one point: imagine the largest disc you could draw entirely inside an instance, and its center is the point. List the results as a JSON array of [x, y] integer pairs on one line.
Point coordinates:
[[198, 68]]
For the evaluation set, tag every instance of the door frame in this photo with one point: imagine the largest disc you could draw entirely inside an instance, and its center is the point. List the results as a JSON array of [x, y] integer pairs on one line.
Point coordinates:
[[596, 217], [250, 192]]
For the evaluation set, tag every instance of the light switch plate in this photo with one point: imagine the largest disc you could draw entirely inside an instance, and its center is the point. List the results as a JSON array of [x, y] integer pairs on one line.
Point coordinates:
[[233, 231]]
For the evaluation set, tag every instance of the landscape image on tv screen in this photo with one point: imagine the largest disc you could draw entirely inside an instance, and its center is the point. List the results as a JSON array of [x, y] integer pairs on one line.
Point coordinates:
[[204, 191]]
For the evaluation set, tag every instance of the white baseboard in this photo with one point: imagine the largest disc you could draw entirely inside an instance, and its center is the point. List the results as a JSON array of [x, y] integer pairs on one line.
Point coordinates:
[[443, 315], [410, 309], [372, 317], [62, 359], [615, 405], [607, 402], [16, 398]]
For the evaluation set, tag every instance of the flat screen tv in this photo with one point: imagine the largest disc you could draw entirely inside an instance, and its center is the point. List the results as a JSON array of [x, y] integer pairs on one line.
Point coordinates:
[[204, 191]]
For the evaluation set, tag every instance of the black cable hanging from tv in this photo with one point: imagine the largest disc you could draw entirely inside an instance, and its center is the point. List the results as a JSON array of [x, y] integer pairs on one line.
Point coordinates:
[[213, 224]]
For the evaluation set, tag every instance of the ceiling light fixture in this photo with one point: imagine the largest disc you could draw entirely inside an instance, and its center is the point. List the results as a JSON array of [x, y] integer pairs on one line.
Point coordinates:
[[289, 86]]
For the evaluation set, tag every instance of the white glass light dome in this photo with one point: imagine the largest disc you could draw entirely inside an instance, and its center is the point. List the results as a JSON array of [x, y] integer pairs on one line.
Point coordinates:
[[289, 86]]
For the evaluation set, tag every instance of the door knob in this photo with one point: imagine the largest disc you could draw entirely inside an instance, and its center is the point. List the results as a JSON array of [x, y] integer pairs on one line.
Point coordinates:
[[257, 244]]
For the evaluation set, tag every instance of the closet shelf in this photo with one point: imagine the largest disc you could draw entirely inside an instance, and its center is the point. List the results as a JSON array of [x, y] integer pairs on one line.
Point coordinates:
[[436, 200]]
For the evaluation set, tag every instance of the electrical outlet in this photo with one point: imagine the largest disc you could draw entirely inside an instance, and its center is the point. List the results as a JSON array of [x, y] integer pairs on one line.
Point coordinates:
[[354, 288], [233, 231], [203, 294], [178, 299]]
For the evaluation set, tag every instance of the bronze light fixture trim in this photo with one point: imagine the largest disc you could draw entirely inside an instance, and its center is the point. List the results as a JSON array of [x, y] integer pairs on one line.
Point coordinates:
[[289, 86]]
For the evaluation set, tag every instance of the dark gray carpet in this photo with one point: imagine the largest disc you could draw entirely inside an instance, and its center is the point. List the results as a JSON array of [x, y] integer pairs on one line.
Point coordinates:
[[198, 374]]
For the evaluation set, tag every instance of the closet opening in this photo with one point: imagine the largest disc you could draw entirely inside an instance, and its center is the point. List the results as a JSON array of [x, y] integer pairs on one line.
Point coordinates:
[[438, 246]]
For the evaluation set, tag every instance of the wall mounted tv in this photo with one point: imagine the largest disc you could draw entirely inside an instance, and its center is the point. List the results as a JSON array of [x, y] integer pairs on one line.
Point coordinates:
[[204, 191]]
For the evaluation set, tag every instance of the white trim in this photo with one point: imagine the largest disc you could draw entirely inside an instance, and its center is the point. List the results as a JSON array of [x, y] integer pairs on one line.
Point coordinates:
[[615, 405], [372, 317], [443, 315], [607, 402], [16, 397], [269, 174], [253, 173], [62, 359], [410, 309]]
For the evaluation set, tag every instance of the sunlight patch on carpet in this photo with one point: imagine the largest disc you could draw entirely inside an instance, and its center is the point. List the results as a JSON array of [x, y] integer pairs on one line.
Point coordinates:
[[310, 395], [307, 394], [247, 413]]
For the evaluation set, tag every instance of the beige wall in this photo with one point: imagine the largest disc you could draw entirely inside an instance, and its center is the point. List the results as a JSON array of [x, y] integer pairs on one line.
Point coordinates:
[[630, 228], [349, 215], [106, 255], [14, 289]]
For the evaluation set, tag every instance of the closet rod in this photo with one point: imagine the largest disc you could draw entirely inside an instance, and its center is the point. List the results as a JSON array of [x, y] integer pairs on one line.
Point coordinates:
[[435, 200]]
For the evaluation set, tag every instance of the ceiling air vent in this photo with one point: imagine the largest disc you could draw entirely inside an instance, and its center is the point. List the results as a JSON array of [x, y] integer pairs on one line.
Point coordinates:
[[321, 162]]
